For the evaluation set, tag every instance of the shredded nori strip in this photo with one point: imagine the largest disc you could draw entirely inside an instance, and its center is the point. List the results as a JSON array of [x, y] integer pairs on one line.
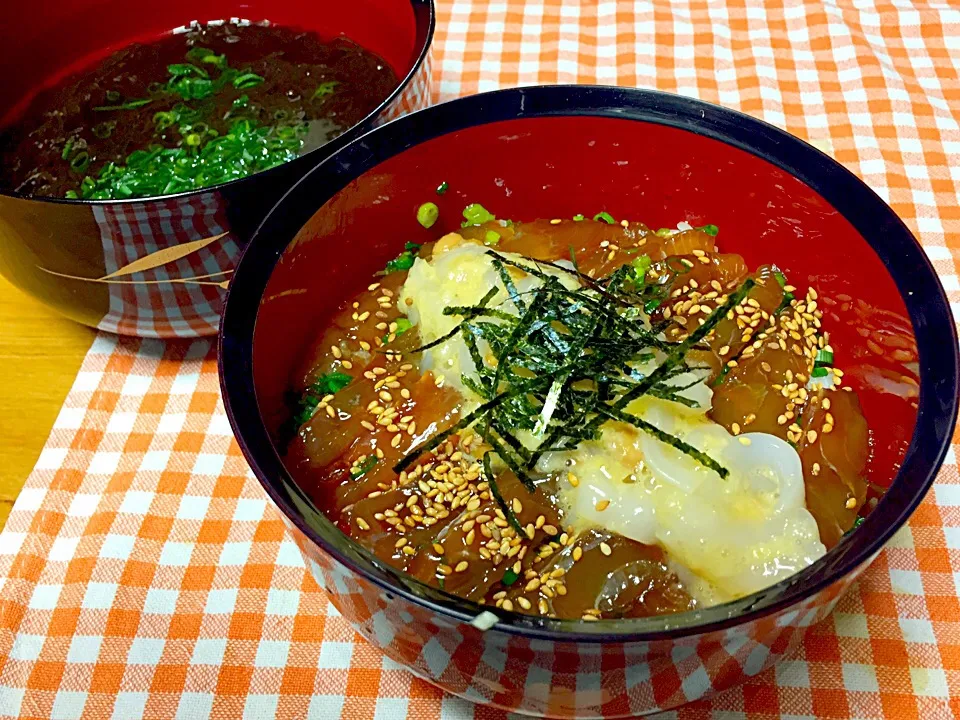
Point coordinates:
[[665, 437], [577, 347], [495, 491]]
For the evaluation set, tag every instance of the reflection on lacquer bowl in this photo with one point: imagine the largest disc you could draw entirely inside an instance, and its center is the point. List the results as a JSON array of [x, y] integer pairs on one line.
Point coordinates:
[[138, 155], [423, 558]]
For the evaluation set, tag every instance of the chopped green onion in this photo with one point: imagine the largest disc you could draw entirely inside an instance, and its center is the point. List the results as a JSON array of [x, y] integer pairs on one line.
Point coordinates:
[[358, 471], [331, 383], [403, 261], [80, 162], [442, 187], [205, 55], [324, 89], [711, 230], [71, 195], [328, 384], [641, 265], [163, 120], [402, 326], [491, 237], [112, 96], [130, 105], [819, 372], [665, 232], [67, 147], [183, 69], [785, 302], [247, 80], [780, 278], [824, 357], [510, 577], [651, 305], [103, 130], [606, 217], [476, 214], [427, 214], [191, 88], [578, 217], [246, 147]]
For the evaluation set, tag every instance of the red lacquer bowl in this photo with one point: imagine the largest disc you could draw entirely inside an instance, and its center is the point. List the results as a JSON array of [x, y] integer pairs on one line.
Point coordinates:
[[553, 152], [76, 255]]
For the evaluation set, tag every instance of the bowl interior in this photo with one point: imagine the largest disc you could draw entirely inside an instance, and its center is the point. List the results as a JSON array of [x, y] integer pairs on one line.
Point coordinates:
[[77, 33], [559, 166]]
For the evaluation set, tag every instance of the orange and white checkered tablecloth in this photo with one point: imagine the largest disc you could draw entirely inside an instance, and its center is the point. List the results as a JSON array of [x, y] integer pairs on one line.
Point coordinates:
[[143, 574]]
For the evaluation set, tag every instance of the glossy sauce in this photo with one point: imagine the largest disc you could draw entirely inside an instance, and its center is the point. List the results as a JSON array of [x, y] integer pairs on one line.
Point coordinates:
[[438, 520]]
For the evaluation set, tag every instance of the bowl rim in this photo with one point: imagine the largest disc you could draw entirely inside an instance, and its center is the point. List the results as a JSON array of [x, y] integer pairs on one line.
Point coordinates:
[[351, 134], [901, 254]]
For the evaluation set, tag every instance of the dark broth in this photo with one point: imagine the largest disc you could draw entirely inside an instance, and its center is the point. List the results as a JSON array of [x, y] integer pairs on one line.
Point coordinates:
[[190, 110]]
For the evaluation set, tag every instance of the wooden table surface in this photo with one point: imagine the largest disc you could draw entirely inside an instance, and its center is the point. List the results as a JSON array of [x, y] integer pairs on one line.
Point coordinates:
[[40, 354]]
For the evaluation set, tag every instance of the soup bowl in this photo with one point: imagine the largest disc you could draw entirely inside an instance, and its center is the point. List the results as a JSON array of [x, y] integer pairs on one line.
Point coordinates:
[[550, 152], [159, 266]]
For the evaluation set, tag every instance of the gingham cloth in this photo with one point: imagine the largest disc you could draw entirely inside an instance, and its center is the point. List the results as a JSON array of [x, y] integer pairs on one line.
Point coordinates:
[[142, 572]]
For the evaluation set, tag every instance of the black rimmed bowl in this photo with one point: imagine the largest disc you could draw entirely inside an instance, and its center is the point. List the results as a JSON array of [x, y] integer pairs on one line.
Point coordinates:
[[77, 256], [553, 152]]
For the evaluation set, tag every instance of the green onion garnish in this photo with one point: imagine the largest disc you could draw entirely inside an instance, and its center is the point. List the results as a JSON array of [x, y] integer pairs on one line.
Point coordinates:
[[80, 161], [328, 384], [358, 471], [606, 217], [191, 88], [130, 105], [442, 187], [823, 358], [183, 69], [641, 265], [780, 278], [510, 577], [427, 214], [491, 237], [247, 80], [711, 230], [331, 383], [578, 217], [205, 55], [246, 148], [476, 214], [403, 261], [103, 130], [324, 89], [819, 372], [402, 326], [665, 232]]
